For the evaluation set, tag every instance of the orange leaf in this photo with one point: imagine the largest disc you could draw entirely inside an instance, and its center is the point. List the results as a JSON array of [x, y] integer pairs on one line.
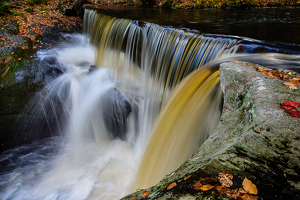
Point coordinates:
[[221, 189], [171, 186], [206, 187], [145, 193], [291, 85], [197, 185], [248, 197], [135, 198], [249, 186], [185, 178]]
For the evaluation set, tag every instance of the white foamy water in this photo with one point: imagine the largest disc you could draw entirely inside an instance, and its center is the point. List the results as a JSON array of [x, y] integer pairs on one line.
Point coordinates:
[[83, 163]]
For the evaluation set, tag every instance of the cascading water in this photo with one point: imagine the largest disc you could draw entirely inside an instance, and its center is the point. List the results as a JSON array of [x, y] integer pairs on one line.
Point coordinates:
[[107, 146]]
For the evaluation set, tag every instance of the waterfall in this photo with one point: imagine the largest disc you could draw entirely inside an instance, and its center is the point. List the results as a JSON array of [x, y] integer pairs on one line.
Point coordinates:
[[157, 58], [134, 102]]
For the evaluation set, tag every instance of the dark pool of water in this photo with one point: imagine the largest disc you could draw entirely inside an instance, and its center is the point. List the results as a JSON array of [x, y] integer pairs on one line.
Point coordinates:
[[268, 24]]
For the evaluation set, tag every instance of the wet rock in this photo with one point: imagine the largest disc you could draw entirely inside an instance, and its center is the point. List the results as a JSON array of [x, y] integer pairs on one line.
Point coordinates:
[[78, 7], [116, 110], [92, 68], [67, 11], [255, 138]]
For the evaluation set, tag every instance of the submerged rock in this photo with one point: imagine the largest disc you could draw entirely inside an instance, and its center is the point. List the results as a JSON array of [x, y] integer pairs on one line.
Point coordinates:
[[116, 110], [255, 138]]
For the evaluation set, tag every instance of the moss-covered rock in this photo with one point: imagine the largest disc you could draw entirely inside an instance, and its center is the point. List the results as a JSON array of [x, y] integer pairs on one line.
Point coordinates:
[[255, 138]]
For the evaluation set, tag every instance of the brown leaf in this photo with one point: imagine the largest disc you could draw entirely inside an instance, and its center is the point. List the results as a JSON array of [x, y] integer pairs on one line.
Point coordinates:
[[248, 197], [291, 85], [234, 193], [197, 185], [206, 181], [225, 179], [206, 187], [145, 193], [249, 186], [171, 186], [135, 198], [221, 189]]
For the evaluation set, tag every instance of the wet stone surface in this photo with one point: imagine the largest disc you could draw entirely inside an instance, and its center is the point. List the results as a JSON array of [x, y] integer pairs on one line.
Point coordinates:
[[255, 138]]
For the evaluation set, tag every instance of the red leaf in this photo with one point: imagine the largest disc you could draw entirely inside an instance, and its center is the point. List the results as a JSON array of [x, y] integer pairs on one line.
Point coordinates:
[[295, 113], [291, 103], [286, 107]]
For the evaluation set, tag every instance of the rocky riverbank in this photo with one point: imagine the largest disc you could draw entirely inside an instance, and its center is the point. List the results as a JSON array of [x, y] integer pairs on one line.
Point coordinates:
[[255, 138], [25, 28]]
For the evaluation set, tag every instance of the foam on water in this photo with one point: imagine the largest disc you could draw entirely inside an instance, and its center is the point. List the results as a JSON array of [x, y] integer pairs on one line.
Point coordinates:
[[83, 163]]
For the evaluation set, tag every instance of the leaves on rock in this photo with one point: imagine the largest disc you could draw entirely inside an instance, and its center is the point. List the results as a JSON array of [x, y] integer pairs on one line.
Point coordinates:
[[291, 107], [221, 189], [197, 185], [225, 179], [247, 197], [290, 77], [171, 186], [145, 193], [291, 103], [206, 187], [291, 85], [248, 192], [249, 187]]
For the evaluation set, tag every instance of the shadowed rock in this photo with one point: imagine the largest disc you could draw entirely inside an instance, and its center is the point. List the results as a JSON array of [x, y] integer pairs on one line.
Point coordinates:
[[116, 110]]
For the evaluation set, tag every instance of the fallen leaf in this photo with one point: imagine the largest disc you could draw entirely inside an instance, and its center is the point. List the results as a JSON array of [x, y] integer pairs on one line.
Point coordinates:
[[135, 198], [295, 113], [206, 187], [171, 186], [291, 85], [247, 197], [145, 193], [225, 179], [234, 194], [221, 189], [291, 103], [197, 185], [249, 187], [185, 178], [286, 107]]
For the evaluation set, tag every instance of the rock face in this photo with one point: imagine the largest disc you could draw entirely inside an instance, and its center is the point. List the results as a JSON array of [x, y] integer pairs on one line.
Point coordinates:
[[116, 110], [22, 75], [255, 138]]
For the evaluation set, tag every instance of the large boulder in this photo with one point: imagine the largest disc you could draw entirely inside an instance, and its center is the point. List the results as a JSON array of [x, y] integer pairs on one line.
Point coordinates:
[[255, 138], [116, 110]]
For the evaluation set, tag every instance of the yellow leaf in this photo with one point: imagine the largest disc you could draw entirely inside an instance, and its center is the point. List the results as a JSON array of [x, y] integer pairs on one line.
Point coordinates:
[[291, 85], [206, 187], [249, 186], [171, 186]]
